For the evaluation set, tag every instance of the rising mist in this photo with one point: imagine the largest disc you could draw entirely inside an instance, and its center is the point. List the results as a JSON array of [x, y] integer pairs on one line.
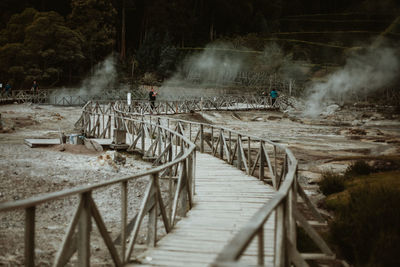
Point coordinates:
[[222, 66], [365, 71]]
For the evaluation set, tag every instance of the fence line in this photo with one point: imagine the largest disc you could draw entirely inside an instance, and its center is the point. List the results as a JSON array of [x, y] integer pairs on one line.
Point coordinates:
[[269, 162], [171, 144]]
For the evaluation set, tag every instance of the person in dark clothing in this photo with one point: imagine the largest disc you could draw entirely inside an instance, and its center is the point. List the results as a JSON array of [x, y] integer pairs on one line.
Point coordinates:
[[274, 95], [7, 89], [35, 87], [152, 98]]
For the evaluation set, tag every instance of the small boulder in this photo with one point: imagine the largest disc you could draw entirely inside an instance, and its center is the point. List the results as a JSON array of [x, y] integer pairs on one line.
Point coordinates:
[[331, 109]]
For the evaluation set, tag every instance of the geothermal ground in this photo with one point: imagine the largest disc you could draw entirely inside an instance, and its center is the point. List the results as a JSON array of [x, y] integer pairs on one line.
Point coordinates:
[[323, 143]]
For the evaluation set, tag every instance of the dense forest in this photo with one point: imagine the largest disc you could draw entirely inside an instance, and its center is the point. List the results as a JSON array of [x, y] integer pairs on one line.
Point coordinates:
[[59, 42]]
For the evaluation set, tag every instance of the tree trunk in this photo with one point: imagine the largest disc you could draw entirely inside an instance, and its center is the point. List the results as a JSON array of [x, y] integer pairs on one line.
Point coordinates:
[[212, 32], [123, 32]]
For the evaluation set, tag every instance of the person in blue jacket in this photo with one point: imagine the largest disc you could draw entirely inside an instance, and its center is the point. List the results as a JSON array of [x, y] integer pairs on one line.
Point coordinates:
[[8, 89], [274, 95]]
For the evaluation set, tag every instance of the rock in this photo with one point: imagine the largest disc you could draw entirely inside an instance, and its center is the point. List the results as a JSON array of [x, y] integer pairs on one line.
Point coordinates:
[[331, 109], [273, 118], [256, 118], [356, 123], [92, 145], [357, 131], [119, 159]]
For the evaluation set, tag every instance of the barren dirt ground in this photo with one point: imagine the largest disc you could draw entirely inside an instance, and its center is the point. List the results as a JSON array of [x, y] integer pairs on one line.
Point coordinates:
[[322, 143], [319, 144], [26, 171]]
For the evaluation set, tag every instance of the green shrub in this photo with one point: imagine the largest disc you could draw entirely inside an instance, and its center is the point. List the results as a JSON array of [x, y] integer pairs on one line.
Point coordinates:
[[331, 183], [360, 167], [367, 229], [304, 243]]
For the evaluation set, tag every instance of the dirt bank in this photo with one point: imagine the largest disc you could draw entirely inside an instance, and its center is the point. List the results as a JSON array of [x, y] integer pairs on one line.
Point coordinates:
[[25, 172]]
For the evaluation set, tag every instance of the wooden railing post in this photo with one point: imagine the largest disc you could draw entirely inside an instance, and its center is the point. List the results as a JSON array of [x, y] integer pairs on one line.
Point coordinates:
[[183, 195], [260, 235], [143, 138], [84, 232], [239, 154], [212, 139], [152, 223], [290, 216], [124, 216], [262, 161], [190, 173], [221, 145], [201, 138], [30, 236], [194, 172], [275, 163], [249, 155], [230, 144], [280, 232]]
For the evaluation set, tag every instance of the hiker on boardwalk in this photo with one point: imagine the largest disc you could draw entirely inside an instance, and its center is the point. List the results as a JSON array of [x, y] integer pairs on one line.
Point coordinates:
[[35, 87], [152, 98], [7, 89], [274, 95]]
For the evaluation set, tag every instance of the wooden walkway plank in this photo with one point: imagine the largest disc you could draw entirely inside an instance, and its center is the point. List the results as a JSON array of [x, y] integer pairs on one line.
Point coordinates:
[[226, 198]]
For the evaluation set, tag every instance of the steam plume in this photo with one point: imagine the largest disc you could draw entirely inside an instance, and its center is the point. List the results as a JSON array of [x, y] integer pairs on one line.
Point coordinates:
[[364, 72], [223, 64], [102, 80]]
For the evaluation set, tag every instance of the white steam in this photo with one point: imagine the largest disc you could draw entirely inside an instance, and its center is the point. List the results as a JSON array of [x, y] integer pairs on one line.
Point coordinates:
[[364, 72], [99, 85], [102, 80], [214, 66], [224, 66]]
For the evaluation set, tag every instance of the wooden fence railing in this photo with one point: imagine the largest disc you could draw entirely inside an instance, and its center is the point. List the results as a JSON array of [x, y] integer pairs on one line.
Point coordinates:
[[174, 157], [269, 162], [171, 144], [140, 103]]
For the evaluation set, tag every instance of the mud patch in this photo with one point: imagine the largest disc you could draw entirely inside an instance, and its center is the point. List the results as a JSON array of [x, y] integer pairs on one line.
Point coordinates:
[[73, 149]]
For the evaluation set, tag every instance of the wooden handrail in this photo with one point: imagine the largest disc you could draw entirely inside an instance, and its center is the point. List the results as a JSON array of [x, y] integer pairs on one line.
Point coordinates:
[[172, 144], [87, 208], [284, 202]]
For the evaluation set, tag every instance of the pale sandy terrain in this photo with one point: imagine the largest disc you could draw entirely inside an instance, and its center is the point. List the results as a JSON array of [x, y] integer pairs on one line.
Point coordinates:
[[26, 172]]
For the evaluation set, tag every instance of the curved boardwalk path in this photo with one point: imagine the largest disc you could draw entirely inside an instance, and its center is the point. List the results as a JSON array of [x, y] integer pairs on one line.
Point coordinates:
[[241, 215], [225, 200]]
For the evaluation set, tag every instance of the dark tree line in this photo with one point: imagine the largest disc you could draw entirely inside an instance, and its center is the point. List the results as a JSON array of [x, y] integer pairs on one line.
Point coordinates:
[[59, 42]]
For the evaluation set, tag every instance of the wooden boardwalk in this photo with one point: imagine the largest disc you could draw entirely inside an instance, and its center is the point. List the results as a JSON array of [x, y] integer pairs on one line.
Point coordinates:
[[226, 198]]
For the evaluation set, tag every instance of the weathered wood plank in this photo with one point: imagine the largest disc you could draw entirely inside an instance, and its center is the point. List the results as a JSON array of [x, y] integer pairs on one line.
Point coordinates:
[[225, 200]]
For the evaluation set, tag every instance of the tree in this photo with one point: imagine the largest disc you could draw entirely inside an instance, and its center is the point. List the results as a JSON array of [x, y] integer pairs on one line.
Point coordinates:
[[148, 54], [168, 56], [39, 46], [95, 20]]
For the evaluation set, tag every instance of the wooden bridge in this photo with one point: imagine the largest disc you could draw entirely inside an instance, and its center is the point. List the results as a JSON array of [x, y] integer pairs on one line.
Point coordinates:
[[139, 97], [232, 199]]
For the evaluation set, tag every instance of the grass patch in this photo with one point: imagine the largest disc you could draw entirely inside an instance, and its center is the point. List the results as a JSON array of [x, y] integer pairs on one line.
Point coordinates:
[[331, 183], [367, 228], [304, 243], [360, 167]]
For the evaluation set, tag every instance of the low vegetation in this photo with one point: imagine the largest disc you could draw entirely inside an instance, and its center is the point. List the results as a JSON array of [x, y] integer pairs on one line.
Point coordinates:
[[331, 183], [366, 204]]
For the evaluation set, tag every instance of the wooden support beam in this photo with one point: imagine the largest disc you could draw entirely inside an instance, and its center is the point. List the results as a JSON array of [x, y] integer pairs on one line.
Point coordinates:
[[84, 232], [30, 236]]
